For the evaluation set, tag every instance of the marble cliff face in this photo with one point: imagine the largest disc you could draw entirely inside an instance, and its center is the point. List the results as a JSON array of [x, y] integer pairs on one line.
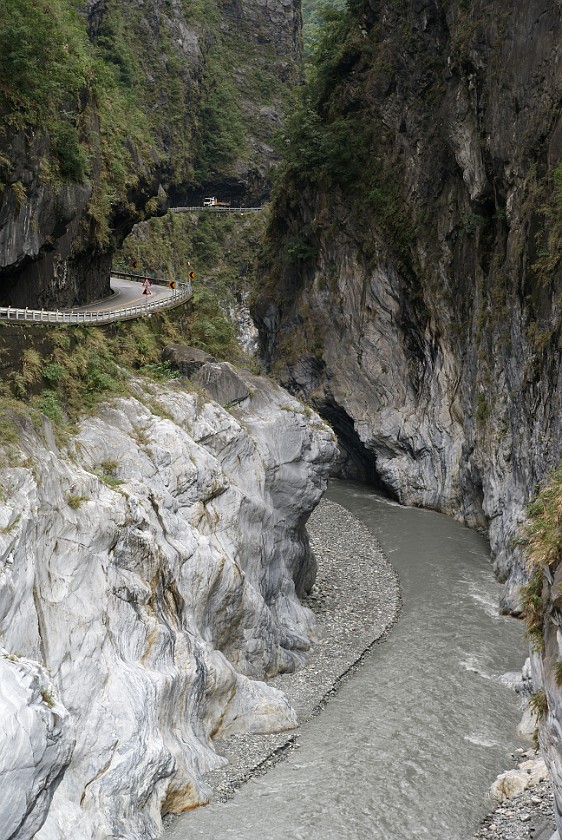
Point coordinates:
[[149, 574]]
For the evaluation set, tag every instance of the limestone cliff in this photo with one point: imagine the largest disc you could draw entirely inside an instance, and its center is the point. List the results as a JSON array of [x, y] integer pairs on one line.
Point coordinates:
[[106, 111], [151, 565]]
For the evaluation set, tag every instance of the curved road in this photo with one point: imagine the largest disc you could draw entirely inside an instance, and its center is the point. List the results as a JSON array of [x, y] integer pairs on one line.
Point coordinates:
[[126, 293]]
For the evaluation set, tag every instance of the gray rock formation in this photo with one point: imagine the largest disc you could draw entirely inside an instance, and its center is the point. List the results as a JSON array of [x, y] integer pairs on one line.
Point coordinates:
[[186, 360], [36, 744], [417, 314], [152, 565], [223, 383]]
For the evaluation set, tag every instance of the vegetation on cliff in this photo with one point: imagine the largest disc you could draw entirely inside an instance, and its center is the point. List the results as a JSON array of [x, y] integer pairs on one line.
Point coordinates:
[[76, 93], [65, 372], [111, 98], [221, 249], [544, 525], [543, 549], [314, 16], [377, 81], [62, 72], [62, 372]]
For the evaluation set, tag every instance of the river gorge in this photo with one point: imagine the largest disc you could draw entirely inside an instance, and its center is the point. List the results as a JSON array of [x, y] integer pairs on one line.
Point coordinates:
[[391, 316]]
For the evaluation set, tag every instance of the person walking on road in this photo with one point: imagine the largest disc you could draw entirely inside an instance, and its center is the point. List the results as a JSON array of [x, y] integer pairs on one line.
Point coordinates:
[[146, 286]]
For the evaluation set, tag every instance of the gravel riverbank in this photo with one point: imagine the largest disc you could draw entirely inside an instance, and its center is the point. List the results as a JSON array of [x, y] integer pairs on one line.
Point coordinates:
[[356, 599], [528, 816]]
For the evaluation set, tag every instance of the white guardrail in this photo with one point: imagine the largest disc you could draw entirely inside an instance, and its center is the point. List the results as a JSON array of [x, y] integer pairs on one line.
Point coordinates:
[[215, 209], [67, 316]]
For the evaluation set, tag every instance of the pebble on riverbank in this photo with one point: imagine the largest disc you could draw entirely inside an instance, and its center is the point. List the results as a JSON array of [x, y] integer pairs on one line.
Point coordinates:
[[521, 814]]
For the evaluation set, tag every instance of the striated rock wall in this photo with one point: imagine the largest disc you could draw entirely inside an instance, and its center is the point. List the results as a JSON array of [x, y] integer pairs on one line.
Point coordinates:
[[36, 744], [151, 565]]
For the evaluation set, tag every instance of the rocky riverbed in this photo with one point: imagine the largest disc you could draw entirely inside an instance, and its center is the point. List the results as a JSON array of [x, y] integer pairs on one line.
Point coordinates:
[[528, 815]]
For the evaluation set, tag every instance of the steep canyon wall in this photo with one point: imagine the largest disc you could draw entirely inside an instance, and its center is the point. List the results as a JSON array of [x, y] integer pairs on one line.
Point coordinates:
[[414, 284], [412, 289]]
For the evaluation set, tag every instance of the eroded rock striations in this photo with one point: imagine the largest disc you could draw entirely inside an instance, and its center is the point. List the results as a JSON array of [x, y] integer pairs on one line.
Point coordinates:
[[152, 566], [36, 744]]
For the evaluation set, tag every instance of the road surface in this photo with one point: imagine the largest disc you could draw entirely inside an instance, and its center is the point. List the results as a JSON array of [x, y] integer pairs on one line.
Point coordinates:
[[126, 293]]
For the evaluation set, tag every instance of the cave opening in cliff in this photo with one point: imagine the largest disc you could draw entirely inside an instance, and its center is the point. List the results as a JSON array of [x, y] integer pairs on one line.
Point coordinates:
[[356, 461]]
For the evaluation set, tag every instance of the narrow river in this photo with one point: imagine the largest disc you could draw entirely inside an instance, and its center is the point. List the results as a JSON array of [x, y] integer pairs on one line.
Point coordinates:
[[410, 744]]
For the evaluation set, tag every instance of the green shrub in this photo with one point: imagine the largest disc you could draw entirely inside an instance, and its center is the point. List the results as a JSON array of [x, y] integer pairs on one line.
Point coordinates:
[[106, 472], [74, 501], [161, 371], [313, 15], [223, 135], [533, 609], [109, 467], [53, 373], [48, 698], [31, 366], [70, 154], [557, 670], [542, 529], [549, 237], [539, 704], [43, 59], [298, 248], [209, 327], [48, 403]]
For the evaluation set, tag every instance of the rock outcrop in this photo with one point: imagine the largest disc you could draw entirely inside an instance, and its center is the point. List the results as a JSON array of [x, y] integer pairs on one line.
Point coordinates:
[[36, 745], [152, 565]]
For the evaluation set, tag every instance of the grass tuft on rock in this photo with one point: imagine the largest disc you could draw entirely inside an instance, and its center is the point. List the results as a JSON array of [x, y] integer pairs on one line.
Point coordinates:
[[543, 530]]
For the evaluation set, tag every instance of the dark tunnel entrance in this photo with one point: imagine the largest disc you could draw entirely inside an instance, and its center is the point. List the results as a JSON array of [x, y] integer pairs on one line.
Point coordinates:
[[356, 462]]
